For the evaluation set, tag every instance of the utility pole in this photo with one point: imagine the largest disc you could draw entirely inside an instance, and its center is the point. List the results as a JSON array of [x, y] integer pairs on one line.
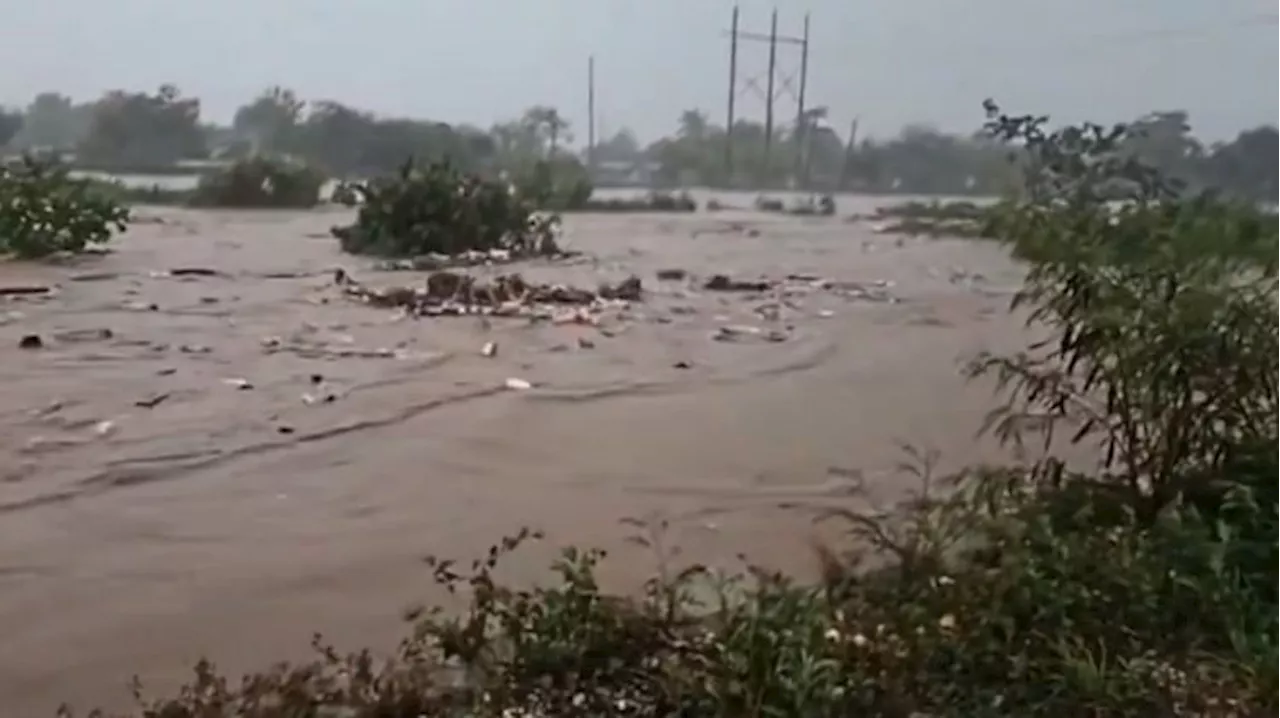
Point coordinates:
[[773, 89], [733, 95], [591, 115], [847, 166], [802, 122], [768, 105]]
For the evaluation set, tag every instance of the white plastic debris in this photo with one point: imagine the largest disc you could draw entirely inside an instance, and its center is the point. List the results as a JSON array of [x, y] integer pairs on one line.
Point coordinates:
[[518, 384]]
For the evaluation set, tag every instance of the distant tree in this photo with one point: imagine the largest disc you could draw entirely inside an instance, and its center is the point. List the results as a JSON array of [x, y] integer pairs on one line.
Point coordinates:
[[334, 135], [1247, 166], [10, 124], [693, 126], [622, 147], [1163, 139], [53, 121], [138, 128], [547, 125], [347, 141], [270, 122]]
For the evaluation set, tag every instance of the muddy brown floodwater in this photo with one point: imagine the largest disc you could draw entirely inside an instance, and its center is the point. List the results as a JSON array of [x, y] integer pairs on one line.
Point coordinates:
[[170, 489]]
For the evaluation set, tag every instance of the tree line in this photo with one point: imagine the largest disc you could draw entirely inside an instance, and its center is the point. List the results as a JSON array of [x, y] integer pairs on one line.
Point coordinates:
[[124, 130]]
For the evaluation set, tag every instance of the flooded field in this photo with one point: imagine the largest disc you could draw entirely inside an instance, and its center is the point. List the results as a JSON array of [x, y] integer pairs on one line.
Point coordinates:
[[220, 462]]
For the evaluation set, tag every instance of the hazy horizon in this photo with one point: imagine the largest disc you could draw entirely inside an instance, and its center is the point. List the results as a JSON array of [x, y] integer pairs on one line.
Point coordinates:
[[920, 61]]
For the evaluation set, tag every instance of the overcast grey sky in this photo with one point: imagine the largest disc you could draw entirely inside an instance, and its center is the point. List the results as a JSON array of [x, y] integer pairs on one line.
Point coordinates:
[[889, 62]]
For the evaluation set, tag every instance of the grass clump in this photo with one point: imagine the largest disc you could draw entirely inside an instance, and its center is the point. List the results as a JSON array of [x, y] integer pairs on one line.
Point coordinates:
[[439, 210], [1143, 586], [45, 211], [260, 183]]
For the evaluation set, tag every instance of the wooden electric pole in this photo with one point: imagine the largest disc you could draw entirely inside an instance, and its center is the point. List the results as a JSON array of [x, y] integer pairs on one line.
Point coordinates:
[[591, 115]]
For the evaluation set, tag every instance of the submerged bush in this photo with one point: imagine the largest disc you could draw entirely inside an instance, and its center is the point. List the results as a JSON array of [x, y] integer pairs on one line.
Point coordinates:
[[260, 183], [438, 210], [44, 210]]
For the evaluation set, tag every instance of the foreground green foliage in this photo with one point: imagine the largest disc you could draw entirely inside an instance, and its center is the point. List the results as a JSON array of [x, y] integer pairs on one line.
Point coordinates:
[[438, 210], [46, 211], [1144, 586], [260, 182]]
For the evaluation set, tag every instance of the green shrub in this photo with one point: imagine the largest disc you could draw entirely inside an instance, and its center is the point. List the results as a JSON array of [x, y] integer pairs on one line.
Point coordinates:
[[44, 210], [438, 210], [260, 183]]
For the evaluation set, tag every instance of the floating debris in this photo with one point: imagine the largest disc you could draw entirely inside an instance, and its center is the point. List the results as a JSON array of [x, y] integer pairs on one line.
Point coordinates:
[[489, 349], [447, 293], [238, 383], [724, 283], [25, 290], [151, 402], [463, 260], [517, 384], [31, 341], [737, 332], [190, 272], [84, 335]]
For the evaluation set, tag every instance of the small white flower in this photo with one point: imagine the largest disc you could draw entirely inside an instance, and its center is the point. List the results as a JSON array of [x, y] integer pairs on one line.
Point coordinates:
[[860, 640]]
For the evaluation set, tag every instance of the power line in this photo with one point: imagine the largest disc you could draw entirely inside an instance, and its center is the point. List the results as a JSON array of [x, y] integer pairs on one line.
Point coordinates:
[[792, 83]]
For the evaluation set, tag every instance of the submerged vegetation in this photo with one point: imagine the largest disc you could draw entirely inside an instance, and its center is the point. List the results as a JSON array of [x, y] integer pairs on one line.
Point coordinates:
[[933, 219], [255, 182], [436, 209], [260, 182], [1143, 586], [45, 211]]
